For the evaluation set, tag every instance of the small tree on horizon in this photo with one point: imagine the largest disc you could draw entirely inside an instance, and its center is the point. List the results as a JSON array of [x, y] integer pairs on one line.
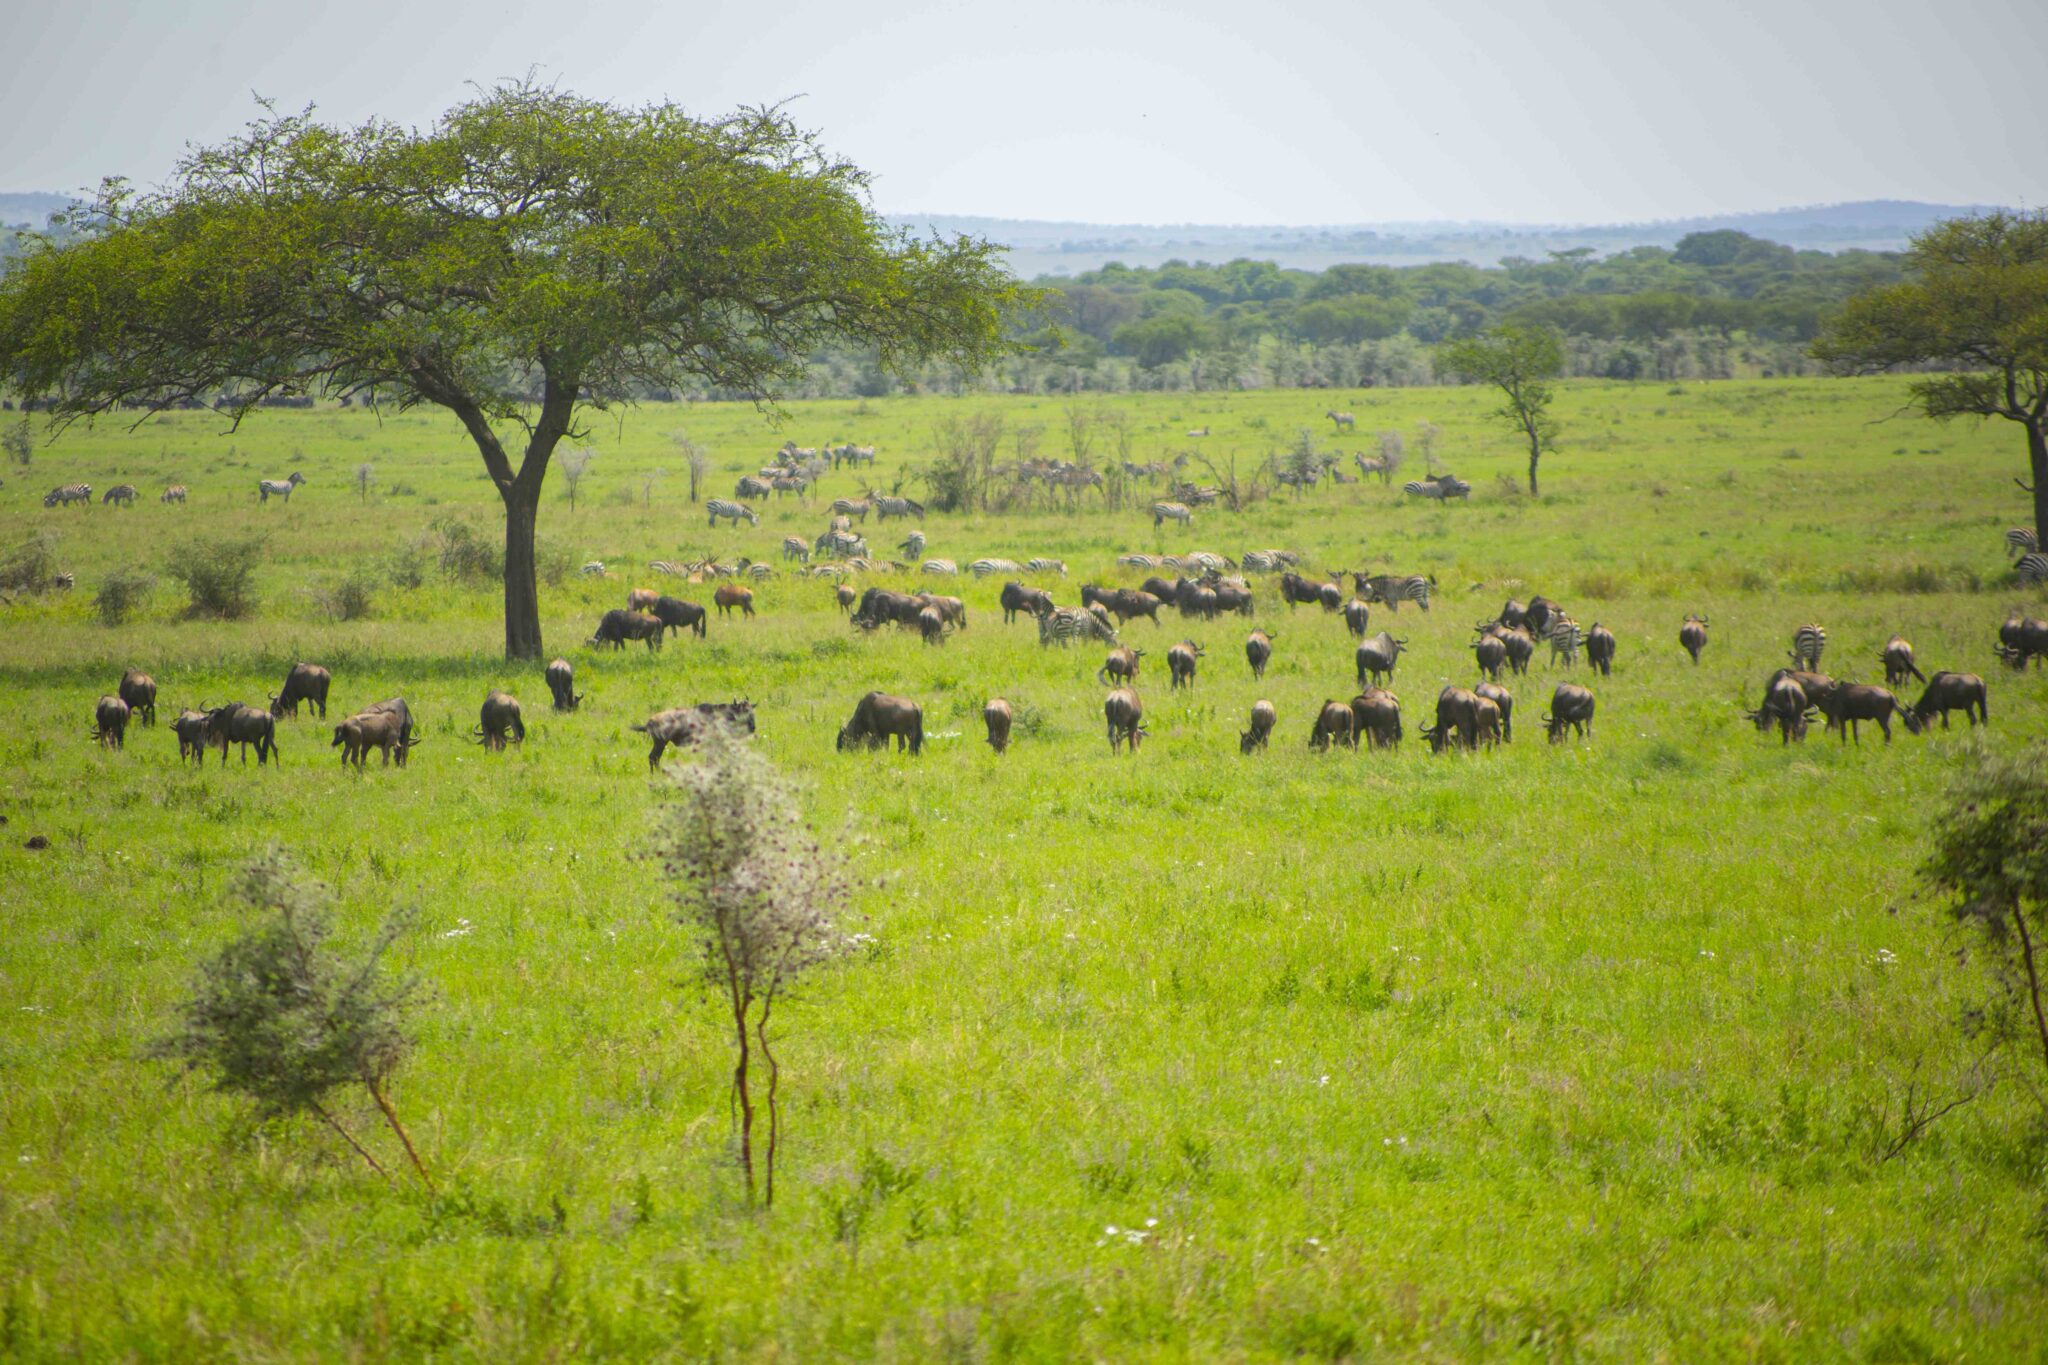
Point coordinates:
[[575, 464], [1521, 362]]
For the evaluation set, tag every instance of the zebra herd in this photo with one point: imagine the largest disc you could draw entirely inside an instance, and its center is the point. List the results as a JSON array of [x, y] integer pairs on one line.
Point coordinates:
[[2031, 565], [125, 494]]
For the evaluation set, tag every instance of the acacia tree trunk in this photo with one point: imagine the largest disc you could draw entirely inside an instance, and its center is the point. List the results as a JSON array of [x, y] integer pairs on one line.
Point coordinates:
[[2037, 462], [522, 589]]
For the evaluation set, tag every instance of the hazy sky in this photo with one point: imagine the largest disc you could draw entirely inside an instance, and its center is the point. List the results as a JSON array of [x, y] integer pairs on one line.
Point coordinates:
[[1110, 111]]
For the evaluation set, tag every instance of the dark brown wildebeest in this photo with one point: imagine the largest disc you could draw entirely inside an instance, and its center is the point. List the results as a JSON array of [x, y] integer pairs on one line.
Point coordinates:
[[1018, 598], [880, 606], [306, 683], [682, 726], [1816, 686], [1296, 590], [562, 685], [931, 625], [1571, 707], [1854, 702], [1331, 597], [1258, 649], [844, 596], [1377, 657], [1897, 659], [500, 723], [190, 728], [1600, 649], [1120, 665], [1357, 616], [1126, 603], [110, 722], [619, 625], [1693, 635], [730, 595], [641, 599], [1486, 722], [1785, 705], [1521, 647], [1538, 615], [1233, 595], [1457, 720], [1160, 588], [1125, 715], [1504, 701], [1491, 654], [1948, 692], [1376, 714], [1263, 718], [395, 706], [1334, 724], [243, 725], [1201, 600], [138, 689], [675, 613], [1180, 662], [877, 716], [384, 731], [951, 610], [997, 717], [1513, 615]]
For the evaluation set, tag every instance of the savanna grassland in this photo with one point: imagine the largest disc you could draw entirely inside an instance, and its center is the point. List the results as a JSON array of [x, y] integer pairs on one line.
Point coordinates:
[[1599, 1049]]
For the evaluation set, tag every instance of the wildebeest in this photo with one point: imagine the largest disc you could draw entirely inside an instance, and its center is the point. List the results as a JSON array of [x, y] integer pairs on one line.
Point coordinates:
[[1334, 724], [80, 493], [110, 722], [500, 723], [175, 493], [266, 489], [2022, 638], [1486, 720], [1121, 665], [1600, 649], [1330, 596], [676, 614], [619, 625], [1785, 705], [1377, 657], [931, 625], [1129, 602], [306, 683], [1161, 588], [1491, 654], [562, 684], [123, 493], [997, 717], [138, 689], [682, 726], [190, 728], [640, 599], [1376, 715], [1295, 590], [1537, 616], [1816, 686], [1233, 595], [395, 706], [1854, 702], [388, 732], [877, 716], [1897, 658], [1571, 707], [1258, 649], [1357, 616], [1018, 598], [730, 595], [1504, 700], [1263, 718], [1125, 715], [844, 596], [1457, 720], [1693, 635], [880, 607], [243, 725], [1948, 692], [1180, 662], [951, 610]]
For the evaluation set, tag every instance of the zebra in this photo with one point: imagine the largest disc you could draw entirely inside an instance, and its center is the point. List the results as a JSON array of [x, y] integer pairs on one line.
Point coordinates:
[[938, 566], [266, 489], [1394, 590], [1043, 565], [670, 567], [761, 570], [982, 568], [1374, 464], [175, 493], [2032, 568], [912, 545], [1137, 561], [887, 507], [1807, 643], [80, 493], [1064, 625], [1344, 420], [793, 547], [1564, 639], [1423, 488], [751, 487], [2021, 542], [123, 493], [592, 569], [791, 483], [841, 544], [851, 507], [1171, 511], [719, 507], [1203, 561]]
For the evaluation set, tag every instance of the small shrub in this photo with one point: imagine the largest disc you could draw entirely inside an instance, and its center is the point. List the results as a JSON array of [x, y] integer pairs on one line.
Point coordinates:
[[19, 443], [1601, 585], [216, 575], [30, 566], [120, 593], [407, 567], [553, 561], [348, 599], [1508, 488], [621, 495], [465, 554]]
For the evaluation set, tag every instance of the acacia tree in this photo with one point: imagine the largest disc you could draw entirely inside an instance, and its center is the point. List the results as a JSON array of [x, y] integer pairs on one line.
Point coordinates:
[[1520, 362], [1979, 309], [530, 256]]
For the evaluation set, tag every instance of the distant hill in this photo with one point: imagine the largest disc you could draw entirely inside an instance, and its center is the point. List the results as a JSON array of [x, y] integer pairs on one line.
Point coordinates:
[[30, 210], [1056, 248]]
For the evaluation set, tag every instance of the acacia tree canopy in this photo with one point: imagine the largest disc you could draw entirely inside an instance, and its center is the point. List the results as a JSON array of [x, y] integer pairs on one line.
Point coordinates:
[[530, 242], [1520, 361], [1978, 307]]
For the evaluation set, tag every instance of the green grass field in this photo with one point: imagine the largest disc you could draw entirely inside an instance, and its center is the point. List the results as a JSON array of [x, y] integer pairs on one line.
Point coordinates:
[[1586, 1050]]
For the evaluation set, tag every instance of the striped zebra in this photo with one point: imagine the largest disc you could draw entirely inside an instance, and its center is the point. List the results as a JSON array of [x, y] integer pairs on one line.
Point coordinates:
[[719, 507], [2032, 568], [791, 483], [841, 544], [1394, 590], [1202, 561], [851, 507], [862, 564], [982, 568], [123, 493], [594, 569], [1344, 420], [912, 545], [761, 570], [1163, 512], [887, 507], [1441, 487], [1565, 639], [80, 493], [1137, 561], [793, 547], [266, 489], [1807, 643], [751, 487], [1064, 625], [2021, 542], [939, 566], [175, 493], [1042, 565], [1259, 561]]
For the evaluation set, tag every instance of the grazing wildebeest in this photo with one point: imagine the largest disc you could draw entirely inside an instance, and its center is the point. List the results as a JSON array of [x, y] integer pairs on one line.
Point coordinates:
[[730, 595], [395, 706], [1492, 653], [562, 684], [684, 725], [880, 607], [2022, 638], [266, 489], [243, 725], [1816, 686], [1258, 649], [1160, 588], [1125, 715], [175, 493], [931, 625], [1948, 692], [1018, 598], [110, 722], [1486, 720], [1504, 701], [500, 723], [1457, 720], [1539, 614], [877, 716], [1129, 602], [1294, 590], [306, 683], [676, 614], [1571, 707], [1600, 649], [1693, 635], [1263, 718], [844, 595], [997, 717], [1357, 616], [640, 599], [619, 625], [1233, 595], [1897, 659], [80, 493], [1330, 596], [1121, 664], [1854, 702], [1180, 662], [1376, 714], [1512, 615], [1521, 647], [385, 731], [952, 610], [1334, 724], [1377, 657], [190, 728], [123, 493], [138, 689], [1785, 705]]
